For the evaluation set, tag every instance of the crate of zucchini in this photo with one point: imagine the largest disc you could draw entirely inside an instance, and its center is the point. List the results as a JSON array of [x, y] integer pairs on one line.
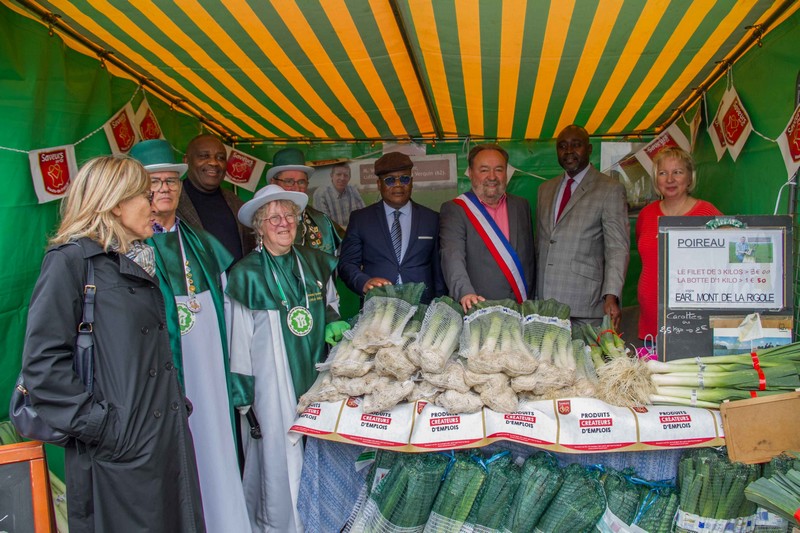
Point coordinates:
[[468, 491], [501, 353]]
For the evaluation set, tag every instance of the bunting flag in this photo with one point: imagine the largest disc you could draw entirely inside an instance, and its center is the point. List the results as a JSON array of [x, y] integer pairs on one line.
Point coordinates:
[[735, 122], [789, 143], [694, 127], [673, 136], [243, 170], [147, 123], [715, 131], [121, 131], [52, 170]]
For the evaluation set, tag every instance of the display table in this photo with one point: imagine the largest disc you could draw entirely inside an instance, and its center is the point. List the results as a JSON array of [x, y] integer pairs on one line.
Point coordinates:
[[578, 430]]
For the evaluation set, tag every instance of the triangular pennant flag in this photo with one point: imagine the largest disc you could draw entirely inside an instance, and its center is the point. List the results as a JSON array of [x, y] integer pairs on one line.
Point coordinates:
[[243, 169], [673, 136], [120, 130], [694, 128], [52, 170], [735, 122], [715, 131], [147, 123], [789, 143]]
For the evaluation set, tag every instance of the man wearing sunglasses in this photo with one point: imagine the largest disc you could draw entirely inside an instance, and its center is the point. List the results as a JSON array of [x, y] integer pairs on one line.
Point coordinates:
[[395, 240], [315, 229]]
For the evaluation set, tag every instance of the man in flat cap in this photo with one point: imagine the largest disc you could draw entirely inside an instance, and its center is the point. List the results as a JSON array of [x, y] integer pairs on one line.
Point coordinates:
[[486, 235], [395, 240], [204, 204], [316, 230]]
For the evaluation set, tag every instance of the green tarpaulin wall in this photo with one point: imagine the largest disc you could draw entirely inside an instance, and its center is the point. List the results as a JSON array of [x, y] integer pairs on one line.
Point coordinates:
[[51, 95]]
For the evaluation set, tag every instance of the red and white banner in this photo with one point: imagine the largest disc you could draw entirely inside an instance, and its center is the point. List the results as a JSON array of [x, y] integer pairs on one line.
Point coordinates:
[[52, 169], [147, 123], [243, 170], [789, 143], [673, 137], [735, 122], [121, 130]]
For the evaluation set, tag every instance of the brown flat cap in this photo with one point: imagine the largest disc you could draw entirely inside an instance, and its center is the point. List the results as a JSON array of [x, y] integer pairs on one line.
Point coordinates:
[[392, 162]]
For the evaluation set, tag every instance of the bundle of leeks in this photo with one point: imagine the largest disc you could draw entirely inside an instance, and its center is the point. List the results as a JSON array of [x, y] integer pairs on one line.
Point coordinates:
[[709, 381]]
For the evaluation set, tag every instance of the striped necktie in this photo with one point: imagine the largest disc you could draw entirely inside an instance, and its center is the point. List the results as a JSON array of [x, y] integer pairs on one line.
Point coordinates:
[[397, 236]]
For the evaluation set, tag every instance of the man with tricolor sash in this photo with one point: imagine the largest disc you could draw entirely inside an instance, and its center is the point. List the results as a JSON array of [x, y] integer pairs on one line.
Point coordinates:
[[486, 235]]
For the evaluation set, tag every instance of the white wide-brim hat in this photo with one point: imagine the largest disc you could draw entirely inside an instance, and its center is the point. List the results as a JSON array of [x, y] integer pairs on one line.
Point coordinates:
[[268, 194]]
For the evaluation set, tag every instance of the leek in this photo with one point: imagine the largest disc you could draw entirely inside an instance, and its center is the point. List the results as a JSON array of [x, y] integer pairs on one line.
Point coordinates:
[[779, 494]]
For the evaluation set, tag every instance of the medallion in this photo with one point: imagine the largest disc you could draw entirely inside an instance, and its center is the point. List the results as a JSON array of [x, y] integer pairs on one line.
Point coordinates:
[[186, 318], [300, 321]]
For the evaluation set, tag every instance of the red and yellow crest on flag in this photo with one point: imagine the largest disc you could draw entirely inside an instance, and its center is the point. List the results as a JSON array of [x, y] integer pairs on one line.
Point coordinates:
[[789, 143], [243, 169], [734, 122], [147, 123], [120, 130], [52, 170], [564, 407]]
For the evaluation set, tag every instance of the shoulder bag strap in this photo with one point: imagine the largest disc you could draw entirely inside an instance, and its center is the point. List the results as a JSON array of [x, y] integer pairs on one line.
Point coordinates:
[[84, 342]]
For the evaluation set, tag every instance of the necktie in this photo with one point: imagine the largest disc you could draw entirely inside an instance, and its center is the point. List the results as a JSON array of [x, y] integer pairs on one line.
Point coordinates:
[[397, 239], [565, 197]]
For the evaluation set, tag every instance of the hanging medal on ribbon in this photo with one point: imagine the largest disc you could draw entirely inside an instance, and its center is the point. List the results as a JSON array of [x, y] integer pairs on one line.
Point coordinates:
[[187, 309], [298, 318]]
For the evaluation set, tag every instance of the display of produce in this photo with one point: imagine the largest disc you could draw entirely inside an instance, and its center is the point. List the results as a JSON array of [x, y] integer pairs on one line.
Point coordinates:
[[778, 492]]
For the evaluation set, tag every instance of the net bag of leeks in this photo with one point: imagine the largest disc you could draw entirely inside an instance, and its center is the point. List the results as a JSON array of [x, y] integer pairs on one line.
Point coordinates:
[[463, 479], [712, 493], [578, 505], [492, 342], [402, 501], [439, 335], [540, 481], [777, 494], [494, 498], [386, 311]]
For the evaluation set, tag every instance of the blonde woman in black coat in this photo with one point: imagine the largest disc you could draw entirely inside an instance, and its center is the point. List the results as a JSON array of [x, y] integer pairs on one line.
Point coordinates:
[[130, 466]]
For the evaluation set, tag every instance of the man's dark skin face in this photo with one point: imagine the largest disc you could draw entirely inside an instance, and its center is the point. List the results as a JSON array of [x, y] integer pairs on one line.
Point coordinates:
[[207, 162], [573, 149], [399, 195]]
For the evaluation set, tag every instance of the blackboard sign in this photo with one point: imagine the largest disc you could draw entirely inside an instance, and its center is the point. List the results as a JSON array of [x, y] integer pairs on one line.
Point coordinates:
[[718, 270], [25, 502]]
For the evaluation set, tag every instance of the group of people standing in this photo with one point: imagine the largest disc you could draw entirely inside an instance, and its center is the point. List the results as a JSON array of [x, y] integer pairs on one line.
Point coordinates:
[[219, 309]]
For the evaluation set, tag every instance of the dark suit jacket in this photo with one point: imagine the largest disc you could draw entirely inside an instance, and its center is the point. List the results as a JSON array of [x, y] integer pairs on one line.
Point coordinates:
[[468, 266], [584, 255], [187, 213], [367, 250]]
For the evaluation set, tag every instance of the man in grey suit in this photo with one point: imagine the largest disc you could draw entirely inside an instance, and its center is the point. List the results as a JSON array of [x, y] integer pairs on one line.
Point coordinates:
[[582, 235], [204, 204], [486, 235]]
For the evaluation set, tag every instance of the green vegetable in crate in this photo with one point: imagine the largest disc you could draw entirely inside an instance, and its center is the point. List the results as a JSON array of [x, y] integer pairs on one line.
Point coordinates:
[[457, 494], [497, 492], [579, 504], [540, 481]]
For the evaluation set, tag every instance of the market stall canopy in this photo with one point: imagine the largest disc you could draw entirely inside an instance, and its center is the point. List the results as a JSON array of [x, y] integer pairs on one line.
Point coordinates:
[[399, 69]]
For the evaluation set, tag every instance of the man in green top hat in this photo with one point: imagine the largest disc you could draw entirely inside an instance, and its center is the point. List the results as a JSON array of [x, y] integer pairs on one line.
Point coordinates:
[[316, 229], [190, 266]]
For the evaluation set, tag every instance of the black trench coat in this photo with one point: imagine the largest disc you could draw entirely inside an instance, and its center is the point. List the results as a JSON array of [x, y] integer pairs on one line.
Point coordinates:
[[131, 466]]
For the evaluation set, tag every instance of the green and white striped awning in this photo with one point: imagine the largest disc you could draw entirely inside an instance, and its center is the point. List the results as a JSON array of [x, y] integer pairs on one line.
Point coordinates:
[[438, 69]]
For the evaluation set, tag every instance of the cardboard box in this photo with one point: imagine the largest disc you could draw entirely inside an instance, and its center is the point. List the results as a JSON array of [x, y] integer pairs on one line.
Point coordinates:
[[758, 429]]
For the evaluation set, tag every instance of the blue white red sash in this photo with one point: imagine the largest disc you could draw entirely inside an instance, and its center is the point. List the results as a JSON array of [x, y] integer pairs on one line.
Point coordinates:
[[496, 242]]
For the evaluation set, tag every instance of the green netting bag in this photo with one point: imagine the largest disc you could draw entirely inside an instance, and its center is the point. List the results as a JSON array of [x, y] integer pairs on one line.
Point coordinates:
[[454, 501], [439, 335], [494, 499], [540, 480], [657, 508], [402, 501], [577, 507]]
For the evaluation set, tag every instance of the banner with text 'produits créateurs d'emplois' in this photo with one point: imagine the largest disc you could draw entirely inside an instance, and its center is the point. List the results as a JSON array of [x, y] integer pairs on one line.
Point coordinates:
[[729, 268]]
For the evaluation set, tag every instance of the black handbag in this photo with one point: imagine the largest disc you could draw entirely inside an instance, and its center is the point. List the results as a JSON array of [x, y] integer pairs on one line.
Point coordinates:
[[22, 413]]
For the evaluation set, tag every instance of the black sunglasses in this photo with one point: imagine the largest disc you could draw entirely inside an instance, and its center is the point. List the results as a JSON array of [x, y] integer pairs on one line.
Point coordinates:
[[391, 181]]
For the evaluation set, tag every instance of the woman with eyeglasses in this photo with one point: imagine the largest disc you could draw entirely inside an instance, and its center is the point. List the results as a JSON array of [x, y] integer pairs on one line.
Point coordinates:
[[190, 266], [131, 464], [284, 308]]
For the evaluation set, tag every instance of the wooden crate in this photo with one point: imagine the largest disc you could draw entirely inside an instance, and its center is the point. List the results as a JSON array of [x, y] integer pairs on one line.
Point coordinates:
[[758, 429]]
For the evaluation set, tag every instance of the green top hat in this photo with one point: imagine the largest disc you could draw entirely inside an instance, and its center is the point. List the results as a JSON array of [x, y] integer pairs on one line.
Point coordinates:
[[288, 159], [156, 155]]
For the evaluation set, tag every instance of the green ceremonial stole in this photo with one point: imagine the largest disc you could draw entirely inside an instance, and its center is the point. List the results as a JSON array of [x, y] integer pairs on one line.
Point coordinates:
[[206, 275], [252, 283], [318, 231]]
